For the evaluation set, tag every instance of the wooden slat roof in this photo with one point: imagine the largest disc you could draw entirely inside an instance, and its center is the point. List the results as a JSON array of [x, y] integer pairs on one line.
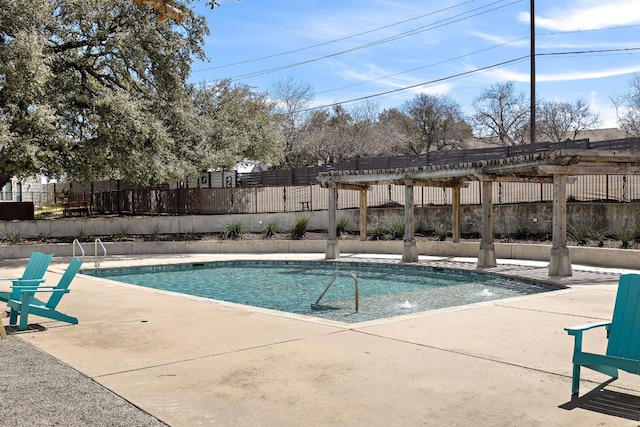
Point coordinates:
[[529, 163]]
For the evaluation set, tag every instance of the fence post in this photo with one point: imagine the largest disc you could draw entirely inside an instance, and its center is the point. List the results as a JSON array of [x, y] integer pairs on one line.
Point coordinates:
[[541, 192], [118, 196], [284, 197], [256, 198]]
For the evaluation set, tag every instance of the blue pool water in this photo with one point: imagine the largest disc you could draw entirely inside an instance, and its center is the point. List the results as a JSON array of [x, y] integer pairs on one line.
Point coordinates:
[[384, 290]]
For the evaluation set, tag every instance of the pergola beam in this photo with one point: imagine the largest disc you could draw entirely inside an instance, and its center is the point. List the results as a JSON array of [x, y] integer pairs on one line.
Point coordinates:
[[597, 155], [593, 169]]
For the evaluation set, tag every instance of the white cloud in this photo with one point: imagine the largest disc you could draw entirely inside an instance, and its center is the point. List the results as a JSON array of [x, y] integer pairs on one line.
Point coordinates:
[[438, 89], [494, 38], [385, 78], [509, 75], [587, 15]]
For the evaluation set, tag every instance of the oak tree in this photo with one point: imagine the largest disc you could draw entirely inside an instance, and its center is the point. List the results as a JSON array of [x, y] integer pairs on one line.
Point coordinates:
[[95, 89]]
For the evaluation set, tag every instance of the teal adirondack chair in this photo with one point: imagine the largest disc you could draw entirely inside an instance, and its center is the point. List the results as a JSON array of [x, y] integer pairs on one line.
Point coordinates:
[[623, 331], [23, 299], [33, 273]]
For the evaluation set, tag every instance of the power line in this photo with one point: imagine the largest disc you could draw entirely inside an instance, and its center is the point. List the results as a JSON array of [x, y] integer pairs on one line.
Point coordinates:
[[437, 24], [393, 25], [389, 92], [454, 76], [335, 40], [583, 52], [622, 27], [424, 66], [487, 49]]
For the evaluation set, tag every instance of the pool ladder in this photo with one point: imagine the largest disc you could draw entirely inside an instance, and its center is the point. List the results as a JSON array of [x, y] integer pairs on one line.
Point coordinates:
[[96, 242], [335, 276]]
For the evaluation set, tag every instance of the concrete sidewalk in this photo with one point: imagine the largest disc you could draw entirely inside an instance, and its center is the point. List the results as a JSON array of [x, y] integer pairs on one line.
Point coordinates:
[[190, 361]]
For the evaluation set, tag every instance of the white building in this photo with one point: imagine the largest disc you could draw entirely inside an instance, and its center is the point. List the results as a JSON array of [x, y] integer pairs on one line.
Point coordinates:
[[24, 190]]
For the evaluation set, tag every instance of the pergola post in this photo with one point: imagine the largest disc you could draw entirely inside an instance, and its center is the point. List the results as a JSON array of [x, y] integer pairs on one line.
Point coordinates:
[[333, 252], [455, 214], [487, 255], [363, 214], [409, 250], [560, 263]]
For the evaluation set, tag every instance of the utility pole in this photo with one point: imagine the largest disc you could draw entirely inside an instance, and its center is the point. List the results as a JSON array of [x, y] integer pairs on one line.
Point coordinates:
[[532, 78]]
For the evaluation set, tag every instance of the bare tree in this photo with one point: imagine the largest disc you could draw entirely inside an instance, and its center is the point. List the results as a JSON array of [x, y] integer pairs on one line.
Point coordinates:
[[437, 123], [501, 115], [293, 98], [340, 134], [628, 108], [392, 132], [559, 121]]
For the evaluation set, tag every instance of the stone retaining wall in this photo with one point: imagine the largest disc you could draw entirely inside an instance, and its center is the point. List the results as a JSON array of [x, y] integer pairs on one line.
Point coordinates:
[[604, 257]]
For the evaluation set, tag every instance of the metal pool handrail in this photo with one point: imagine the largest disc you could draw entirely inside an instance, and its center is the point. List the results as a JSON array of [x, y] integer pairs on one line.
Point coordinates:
[[335, 276], [95, 251], [73, 248]]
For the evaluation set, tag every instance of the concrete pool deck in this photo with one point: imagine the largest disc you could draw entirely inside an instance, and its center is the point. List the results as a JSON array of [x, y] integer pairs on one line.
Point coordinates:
[[188, 361]]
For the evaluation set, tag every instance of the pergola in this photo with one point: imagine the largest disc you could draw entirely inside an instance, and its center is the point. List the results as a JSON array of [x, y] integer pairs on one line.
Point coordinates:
[[548, 166]]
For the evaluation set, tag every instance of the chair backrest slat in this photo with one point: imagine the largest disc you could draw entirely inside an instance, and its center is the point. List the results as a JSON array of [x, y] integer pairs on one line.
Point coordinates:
[[624, 336], [65, 281], [37, 266]]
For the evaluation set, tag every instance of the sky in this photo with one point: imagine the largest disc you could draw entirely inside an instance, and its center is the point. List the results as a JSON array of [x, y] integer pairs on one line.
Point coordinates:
[[386, 52]]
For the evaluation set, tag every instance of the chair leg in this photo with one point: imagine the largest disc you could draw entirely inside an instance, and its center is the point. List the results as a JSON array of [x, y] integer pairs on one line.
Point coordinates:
[[13, 318], [24, 315], [575, 381]]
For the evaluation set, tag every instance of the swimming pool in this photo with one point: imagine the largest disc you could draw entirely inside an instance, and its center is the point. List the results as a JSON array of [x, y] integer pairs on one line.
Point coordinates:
[[384, 290]]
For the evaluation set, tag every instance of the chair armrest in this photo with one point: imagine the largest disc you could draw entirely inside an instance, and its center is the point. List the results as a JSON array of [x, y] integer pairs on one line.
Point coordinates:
[[52, 289], [20, 283], [575, 330]]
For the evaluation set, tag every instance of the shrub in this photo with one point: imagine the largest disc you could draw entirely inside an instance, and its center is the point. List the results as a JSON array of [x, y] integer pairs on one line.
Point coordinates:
[[522, 231], [83, 236], [421, 227], [14, 237], [155, 232], [233, 230], [579, 232], [635, 231], [341, 225], [599, 237], [122, 233], [625, 237], [377, 231], [397, 229], [270, 229], [190, 235], [442, 231], [299, 227], [43, 236]]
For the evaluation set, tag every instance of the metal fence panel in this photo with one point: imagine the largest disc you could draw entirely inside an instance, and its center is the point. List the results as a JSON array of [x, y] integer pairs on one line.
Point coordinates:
[[298, 198]]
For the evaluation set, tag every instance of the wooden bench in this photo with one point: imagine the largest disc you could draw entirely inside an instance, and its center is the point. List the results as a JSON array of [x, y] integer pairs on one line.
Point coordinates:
[[74, 205]]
